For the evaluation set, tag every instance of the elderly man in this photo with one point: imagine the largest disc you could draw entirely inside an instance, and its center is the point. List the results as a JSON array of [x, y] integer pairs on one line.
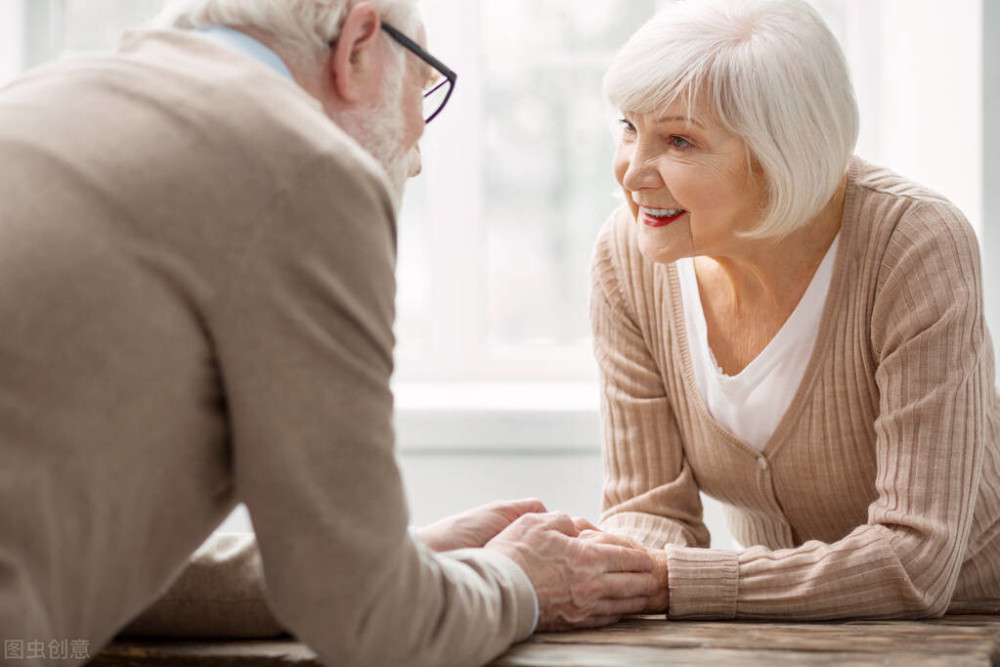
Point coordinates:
[[196, 291]]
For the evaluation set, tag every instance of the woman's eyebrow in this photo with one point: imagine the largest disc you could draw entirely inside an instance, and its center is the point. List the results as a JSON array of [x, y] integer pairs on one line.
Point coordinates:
[[667, 119]]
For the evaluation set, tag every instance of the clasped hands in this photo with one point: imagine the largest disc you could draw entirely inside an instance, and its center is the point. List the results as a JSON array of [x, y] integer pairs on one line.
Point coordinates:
[[583, 577]]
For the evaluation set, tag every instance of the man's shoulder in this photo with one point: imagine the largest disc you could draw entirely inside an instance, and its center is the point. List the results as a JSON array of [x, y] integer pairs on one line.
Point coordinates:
[[184, 148], [256, 109], [176, 108]]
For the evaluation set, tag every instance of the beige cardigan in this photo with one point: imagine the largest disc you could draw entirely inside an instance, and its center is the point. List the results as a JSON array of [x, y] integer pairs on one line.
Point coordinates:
[[879, 493], [196, 297]]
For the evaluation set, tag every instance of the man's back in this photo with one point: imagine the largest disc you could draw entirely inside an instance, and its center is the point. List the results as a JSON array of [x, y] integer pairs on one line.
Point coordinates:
[[153, 206]]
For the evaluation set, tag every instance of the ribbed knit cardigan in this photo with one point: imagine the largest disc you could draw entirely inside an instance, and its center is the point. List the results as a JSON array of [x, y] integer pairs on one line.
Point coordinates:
[[878, 495]]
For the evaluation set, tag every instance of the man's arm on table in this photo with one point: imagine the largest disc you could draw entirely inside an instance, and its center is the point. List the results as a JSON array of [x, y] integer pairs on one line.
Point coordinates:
[[221, 591], [304, 343]]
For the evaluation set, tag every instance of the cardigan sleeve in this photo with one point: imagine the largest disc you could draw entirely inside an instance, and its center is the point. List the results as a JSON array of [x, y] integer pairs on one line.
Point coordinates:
[[932, 368], [650, 493], [304, 341]]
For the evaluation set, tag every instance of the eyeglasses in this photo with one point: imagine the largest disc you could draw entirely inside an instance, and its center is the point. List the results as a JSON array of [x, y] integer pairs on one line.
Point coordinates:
[[439, 87]]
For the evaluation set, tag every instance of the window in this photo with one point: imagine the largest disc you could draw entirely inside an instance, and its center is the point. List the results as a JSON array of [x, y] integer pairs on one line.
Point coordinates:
[[57, 28], [496, 234]]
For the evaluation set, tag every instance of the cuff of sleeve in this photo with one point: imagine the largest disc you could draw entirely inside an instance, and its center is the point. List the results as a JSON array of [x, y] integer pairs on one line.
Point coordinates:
[[534, 600], [526, 601], [525, 591], [704, 583]]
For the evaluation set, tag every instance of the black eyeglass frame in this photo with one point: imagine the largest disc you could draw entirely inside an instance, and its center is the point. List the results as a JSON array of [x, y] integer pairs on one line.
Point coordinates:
[[449, 75]]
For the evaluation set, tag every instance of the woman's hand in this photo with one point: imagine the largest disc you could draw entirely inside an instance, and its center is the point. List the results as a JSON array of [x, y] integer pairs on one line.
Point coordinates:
[[658, 603], [578, 583], [475, 527]]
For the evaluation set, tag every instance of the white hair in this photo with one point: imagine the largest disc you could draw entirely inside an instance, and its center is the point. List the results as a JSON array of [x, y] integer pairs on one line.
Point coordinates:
[[380, 129], [769, 72], [305, 25]]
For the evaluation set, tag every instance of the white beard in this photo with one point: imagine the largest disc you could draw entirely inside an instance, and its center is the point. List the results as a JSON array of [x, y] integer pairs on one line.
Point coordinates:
[[379, 130]]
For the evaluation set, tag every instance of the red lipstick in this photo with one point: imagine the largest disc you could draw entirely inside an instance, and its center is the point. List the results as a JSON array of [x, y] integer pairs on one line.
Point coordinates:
[[650, 221]]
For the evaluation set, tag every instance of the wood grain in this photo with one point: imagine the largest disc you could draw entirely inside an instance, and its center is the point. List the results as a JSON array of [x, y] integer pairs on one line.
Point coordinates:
[[969, 636], [258, 653]]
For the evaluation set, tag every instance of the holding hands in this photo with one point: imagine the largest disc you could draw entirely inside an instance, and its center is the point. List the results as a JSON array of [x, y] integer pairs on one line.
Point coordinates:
[[583, 578], [474, 528], [579, 583], [659, 602]]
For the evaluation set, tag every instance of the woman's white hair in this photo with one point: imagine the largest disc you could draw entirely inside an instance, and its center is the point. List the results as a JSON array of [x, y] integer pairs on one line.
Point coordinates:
[[306, 25], [769, 72]]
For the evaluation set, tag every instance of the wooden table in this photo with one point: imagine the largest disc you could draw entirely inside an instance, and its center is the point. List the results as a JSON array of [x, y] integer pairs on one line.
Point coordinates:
[[969, 635]]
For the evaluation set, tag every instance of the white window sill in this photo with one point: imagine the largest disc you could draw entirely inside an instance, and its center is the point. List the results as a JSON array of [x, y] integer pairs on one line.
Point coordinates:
[[497, 417]]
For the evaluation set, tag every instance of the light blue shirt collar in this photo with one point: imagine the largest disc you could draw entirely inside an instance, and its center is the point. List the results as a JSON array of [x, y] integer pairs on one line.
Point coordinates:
[[247, 45]]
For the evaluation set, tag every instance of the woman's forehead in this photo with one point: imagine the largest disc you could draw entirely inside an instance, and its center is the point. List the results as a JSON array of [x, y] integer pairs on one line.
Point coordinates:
[[660, 106], [677, 112]]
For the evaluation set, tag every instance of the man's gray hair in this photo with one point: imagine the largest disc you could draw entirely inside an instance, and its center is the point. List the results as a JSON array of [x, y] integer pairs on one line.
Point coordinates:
[[306, 25], [769, 72]]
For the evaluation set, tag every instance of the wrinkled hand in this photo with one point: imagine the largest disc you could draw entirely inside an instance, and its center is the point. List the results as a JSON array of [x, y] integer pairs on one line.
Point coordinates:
[[579, 583], [659, 603], [475, 527]]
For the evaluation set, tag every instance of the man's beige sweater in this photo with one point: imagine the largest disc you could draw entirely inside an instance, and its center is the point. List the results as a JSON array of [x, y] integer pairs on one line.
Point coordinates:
[[196, 309], [879, 493]]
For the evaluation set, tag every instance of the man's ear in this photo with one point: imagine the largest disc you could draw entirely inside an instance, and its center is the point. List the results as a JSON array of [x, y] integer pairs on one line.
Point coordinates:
[[354, 64]]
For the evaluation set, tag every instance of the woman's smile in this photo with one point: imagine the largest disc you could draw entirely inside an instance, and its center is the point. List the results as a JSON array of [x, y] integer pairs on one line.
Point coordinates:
[[691, 176], [660, 217]]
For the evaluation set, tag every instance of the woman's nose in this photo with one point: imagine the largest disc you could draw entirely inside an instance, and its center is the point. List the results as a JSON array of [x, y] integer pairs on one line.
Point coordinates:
[[642, 173]]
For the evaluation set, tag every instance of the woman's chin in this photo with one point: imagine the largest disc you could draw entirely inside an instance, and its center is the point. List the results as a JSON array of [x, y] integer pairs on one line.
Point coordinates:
[[657, 250]]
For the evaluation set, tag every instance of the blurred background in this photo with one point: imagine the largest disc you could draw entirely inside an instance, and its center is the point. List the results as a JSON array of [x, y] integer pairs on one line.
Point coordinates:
[[496, 388]]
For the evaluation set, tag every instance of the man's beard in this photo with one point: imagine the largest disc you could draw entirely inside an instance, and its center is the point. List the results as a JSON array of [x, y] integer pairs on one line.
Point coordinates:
[[380, 129]]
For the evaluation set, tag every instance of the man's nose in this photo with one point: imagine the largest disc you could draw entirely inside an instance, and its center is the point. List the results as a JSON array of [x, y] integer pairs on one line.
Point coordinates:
[[416, 164]]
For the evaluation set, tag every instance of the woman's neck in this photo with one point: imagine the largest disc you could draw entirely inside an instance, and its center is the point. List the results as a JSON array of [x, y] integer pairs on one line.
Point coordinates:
[[771, 274]]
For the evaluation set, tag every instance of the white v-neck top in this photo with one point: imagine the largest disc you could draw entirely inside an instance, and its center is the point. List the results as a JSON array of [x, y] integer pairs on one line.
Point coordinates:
[[751, 403]]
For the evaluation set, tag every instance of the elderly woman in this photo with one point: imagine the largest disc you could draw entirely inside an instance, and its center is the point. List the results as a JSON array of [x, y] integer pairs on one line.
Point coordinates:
[[792, 331]]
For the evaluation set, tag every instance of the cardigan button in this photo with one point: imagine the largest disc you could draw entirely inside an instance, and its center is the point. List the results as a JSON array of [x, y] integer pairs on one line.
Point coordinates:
[[762, 462]]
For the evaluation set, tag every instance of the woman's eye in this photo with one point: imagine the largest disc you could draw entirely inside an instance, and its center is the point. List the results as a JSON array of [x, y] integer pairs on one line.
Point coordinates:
[[626, 125], [679, 142]]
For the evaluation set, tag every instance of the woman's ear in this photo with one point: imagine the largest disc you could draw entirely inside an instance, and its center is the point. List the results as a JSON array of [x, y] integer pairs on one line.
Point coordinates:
[[354, 65]]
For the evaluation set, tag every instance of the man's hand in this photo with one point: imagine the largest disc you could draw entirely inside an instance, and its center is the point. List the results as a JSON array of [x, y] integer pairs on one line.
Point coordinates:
[[475, 527], [658, 603], [579, 583]]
